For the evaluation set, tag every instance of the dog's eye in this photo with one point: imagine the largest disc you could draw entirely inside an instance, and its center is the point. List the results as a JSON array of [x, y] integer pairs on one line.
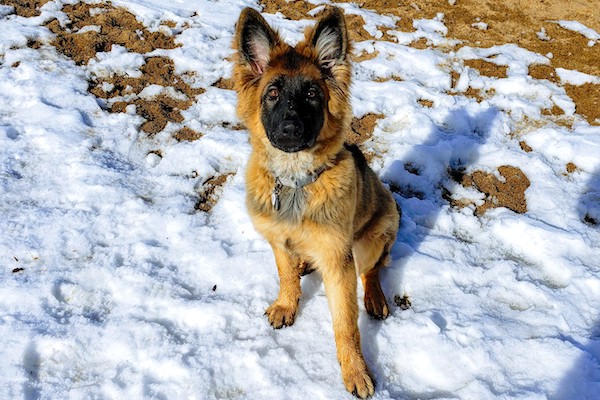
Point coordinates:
[[311, 94], [273, 93]]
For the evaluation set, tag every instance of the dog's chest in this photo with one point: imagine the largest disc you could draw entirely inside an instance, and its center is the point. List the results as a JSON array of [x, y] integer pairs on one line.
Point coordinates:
[[289, 203], [290, 196]]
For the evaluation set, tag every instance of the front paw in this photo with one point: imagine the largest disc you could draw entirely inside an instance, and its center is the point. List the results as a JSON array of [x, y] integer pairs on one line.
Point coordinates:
[[280, 315], [358, 381]]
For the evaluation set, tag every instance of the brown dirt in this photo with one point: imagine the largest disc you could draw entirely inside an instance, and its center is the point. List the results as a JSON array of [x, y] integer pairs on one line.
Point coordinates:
[[587, 99], [224, 83], [156, 71], [157, 111], [555, 110], [509, 21], [509, 192], [296, 10], [517, 21], [187, 134], [525, 147], [119, 26], [487, 68], [362, 128], [402, 301], [364, 56], [474, 94], [293, 10], [539, 71], [356, 32], [208, 192], [571, 168], [25, 8]]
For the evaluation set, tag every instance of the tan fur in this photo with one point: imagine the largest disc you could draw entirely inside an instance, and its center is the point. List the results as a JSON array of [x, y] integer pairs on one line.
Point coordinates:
[[349, 222]]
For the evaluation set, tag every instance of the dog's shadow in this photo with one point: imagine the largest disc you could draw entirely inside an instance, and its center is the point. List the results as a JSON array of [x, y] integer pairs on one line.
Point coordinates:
[[418, 182], [311, 285], [420, 179]]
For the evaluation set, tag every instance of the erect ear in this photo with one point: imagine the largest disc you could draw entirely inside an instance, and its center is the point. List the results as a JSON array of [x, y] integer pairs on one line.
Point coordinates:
[[255, 39], [330, 38]]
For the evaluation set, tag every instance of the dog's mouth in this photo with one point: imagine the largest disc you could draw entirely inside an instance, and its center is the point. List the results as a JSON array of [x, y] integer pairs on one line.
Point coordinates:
[[290, 137]]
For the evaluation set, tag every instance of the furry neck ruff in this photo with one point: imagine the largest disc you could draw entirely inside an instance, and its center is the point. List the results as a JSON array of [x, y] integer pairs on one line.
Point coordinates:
[[293, 183]]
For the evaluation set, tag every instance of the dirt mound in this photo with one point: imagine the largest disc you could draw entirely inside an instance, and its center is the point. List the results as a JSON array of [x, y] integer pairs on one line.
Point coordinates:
[[25, 8], [105, 25], [208, 192], [362, 128], [296, 10], [508, 191], [487, 68], [587, 100], [94, 28], [157, 110]]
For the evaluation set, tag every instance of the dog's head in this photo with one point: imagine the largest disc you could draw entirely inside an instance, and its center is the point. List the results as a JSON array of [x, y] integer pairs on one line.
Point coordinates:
[[296, 97]]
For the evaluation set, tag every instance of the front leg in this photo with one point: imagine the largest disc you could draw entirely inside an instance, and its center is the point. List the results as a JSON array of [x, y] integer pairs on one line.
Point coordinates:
[[283, 310], [339, 278]]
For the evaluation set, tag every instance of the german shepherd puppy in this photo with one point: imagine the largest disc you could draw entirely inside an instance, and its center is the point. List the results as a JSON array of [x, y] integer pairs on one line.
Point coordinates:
[[311, 196]]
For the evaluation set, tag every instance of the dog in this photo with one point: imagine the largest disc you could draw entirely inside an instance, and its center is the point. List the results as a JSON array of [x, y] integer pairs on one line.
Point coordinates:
[[313, 197]]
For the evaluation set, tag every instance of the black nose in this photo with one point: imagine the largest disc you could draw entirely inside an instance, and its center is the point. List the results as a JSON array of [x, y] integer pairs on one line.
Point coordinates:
[[290, 128]]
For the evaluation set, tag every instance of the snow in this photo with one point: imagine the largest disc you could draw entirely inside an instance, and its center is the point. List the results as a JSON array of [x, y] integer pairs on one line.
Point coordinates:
[[575, 77], [580, 28], [113, 286]]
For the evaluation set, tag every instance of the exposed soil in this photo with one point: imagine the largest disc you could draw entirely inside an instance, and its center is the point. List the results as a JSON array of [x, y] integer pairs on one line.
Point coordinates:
[[539, 71], [525, 147], [362, 128], [403, 302], [509, 21], [530, 25], [25, 8], [356, 30], [187, 134], [571, 168], [587, 99], [425, 103], [507, 192], [116, 26], [224, 83], [158, 110], [293, 10], [208, 192], [96, 28], [487, 68]]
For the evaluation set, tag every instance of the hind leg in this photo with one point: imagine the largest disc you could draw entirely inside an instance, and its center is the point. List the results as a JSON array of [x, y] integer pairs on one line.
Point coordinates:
[[375, 302], [371, 254]]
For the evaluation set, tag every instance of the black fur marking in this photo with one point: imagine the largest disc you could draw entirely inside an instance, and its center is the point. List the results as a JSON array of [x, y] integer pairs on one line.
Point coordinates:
[[292, 60], [294, 117], [255, 28], [359, 159]]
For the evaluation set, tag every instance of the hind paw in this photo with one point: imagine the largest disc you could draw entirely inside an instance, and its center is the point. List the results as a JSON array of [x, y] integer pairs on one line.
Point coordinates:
[[376, 306]]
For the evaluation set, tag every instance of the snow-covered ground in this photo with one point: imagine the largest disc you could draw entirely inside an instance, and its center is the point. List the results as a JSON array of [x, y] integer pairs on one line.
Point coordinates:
[[113, 286]]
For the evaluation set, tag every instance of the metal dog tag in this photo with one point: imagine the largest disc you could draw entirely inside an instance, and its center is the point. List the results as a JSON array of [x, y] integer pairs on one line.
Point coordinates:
[[275, 201]]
